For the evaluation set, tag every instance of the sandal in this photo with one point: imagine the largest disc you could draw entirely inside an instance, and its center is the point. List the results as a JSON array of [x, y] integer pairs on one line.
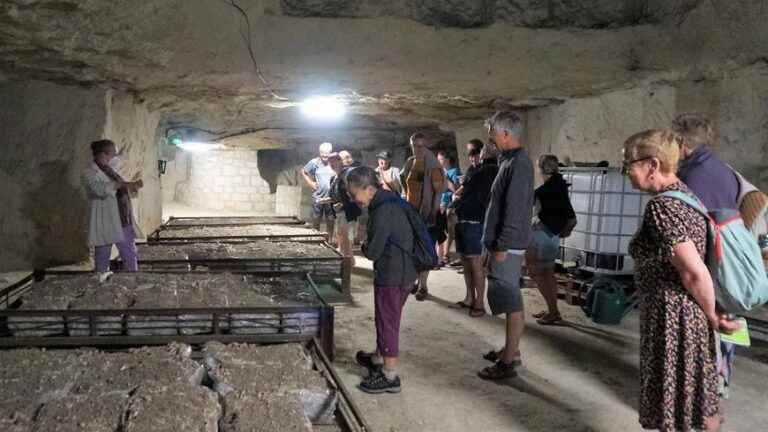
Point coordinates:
[[493, 356], [550, 319], [541, 314], [460, 305], [498, 371], [476, 312], [421, 295]]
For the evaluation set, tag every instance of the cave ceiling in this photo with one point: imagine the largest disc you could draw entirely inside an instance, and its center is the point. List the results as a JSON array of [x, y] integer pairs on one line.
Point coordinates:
[[399, 63]]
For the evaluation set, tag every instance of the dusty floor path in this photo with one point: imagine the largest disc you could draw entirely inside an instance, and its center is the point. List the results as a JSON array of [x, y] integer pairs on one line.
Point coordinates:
[[577, 377]]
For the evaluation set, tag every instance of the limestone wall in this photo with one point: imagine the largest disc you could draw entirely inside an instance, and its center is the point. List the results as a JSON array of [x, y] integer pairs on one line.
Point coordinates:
[[226, 180], [132, 127], [594, 129], [47, 129]]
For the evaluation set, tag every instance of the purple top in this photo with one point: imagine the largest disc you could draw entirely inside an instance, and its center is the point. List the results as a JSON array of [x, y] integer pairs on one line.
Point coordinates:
[[710, 179]]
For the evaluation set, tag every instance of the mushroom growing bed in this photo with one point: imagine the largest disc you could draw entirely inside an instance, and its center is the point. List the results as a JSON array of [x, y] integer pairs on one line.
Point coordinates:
[[237, 231], [266, 305], [250, 250], [234, 388]]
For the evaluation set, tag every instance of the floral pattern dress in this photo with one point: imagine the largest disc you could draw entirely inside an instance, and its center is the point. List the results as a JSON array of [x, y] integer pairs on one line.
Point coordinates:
[[678, 377]]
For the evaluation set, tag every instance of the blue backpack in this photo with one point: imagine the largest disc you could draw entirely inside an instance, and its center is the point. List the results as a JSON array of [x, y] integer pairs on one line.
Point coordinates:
[[733, 258], [423, 253]]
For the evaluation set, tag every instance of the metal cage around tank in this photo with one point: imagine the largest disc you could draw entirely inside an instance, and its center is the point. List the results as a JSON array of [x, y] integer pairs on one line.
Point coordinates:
[[609, 211]]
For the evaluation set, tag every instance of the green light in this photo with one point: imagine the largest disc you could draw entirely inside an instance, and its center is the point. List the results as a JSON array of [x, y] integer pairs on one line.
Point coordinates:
[[175, 140]]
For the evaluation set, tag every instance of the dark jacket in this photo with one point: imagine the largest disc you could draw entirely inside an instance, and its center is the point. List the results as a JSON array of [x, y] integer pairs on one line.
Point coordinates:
[[508, 218], [714, 182], [339, 194], [477, 191], [556, 208], [390, 241]]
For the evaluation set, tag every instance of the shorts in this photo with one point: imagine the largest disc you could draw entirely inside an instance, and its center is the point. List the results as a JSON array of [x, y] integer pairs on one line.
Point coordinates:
[[323, 211], [545, 249], [504, 294], [343, 224], [469, 239], [438, 231]]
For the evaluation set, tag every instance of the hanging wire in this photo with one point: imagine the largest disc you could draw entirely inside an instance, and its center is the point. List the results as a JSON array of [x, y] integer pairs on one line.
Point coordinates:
[[247, 38]]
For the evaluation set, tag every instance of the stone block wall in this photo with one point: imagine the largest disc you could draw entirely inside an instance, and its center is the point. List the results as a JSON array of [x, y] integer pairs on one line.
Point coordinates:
[[226, 180]]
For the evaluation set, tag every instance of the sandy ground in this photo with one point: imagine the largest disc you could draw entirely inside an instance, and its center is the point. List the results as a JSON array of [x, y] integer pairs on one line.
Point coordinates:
[[577, 377]]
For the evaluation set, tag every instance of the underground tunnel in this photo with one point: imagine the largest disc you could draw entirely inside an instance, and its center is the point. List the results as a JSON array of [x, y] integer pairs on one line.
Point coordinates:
[[246, 315]]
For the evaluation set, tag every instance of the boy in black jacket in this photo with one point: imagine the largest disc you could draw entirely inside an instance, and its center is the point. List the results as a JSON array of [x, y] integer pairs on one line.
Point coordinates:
[[389, 244]]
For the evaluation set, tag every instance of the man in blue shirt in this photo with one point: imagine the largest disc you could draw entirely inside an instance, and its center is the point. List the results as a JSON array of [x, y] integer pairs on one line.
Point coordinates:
[[452, 176], [317, 174]]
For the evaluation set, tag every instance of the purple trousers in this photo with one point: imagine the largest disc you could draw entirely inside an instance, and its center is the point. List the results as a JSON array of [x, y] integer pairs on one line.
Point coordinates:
[[127, 249], [388, 308]]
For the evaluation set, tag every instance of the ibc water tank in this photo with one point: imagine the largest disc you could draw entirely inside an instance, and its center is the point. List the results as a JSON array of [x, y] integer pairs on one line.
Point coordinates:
[[609, 211]]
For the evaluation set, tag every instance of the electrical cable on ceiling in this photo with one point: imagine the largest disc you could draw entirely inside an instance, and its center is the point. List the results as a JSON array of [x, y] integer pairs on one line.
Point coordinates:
[[246, 35]]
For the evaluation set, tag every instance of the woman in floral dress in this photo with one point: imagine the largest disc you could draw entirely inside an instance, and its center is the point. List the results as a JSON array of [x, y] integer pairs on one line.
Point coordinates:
[[678, 379]]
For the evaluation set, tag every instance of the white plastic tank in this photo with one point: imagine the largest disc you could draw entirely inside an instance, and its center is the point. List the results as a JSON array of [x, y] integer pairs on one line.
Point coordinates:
[[609, 211]]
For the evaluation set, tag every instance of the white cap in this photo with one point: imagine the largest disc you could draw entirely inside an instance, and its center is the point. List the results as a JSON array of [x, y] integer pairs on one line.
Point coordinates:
[[326, 147]]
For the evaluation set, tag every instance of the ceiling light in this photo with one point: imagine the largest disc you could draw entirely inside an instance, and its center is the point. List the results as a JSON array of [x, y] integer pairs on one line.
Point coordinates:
[[199, 147], [324, 108]]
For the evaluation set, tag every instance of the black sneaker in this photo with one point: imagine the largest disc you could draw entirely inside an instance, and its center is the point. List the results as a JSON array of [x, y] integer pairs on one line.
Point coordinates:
[[365, 360], [377, 383]]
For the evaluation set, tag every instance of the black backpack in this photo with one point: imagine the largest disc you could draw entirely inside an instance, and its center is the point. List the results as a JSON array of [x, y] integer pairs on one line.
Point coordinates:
[[423, 254]]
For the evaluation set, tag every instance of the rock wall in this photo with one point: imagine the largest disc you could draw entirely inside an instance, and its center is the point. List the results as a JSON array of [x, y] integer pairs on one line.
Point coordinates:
[[594, 129], [226, 180], [132, 127], [47, 129]]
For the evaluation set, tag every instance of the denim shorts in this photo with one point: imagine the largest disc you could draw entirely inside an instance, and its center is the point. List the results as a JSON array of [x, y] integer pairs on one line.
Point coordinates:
[[546, 247], [469, 239], [323, 211], [504, 284]]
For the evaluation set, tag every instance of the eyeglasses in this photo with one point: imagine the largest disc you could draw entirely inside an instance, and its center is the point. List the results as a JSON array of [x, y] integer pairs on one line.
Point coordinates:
[[626, 165]]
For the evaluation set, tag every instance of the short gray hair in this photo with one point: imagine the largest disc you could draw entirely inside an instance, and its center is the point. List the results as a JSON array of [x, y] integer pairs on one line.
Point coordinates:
[[509, 121], [549, 165], [695, 128]]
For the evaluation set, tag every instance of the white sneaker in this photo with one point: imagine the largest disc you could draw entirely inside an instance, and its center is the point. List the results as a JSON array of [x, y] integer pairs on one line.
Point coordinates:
[[103, 276]]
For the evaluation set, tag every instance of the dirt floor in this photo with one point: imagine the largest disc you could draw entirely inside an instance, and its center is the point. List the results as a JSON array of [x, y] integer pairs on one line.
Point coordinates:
[[576, 377]]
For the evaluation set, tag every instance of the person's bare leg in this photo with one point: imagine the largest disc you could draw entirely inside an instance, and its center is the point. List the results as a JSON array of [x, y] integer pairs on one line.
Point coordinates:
[[390, 362], [423, 276], [342, 237], [515, 327], [329, 225], [547, 284], [478, 282], [468, 282], [442, 253], [712, 424]]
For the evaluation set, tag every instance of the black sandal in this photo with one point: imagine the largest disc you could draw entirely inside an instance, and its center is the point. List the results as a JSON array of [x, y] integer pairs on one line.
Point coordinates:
[[550, 319], [493, 356], [498, 371]]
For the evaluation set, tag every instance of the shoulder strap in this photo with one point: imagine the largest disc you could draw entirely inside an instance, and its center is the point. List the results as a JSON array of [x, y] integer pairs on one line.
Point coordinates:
[[689, 200]]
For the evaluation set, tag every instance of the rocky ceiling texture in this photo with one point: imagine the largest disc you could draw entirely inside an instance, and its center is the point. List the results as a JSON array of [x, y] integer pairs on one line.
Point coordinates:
[[397, 63]]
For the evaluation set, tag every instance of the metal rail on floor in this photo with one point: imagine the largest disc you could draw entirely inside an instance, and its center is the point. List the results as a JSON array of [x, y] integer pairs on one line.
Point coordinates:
[[349, 411]]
